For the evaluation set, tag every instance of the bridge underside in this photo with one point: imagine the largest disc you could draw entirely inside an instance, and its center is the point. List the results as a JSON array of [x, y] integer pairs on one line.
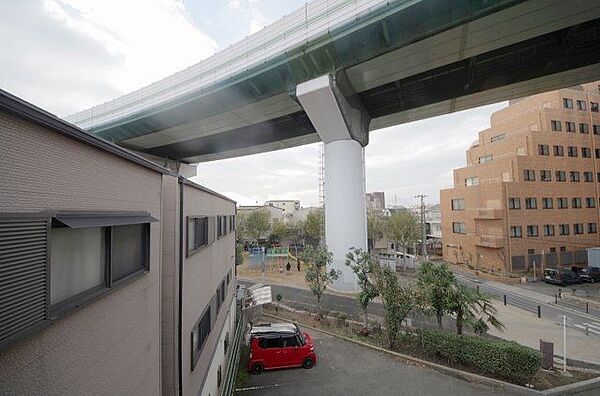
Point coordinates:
[[531, 47]]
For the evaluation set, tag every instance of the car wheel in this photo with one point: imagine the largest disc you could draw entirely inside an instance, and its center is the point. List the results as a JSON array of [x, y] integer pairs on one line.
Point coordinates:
[[257, 368], [308, 363]]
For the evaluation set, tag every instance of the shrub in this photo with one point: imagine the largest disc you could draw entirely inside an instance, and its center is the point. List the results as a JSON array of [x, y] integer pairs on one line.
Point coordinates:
[[504, 359]]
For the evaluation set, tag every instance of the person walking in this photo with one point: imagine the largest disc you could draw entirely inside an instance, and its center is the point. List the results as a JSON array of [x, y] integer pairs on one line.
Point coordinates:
[[298, 264], [280, 269], [288, 267]]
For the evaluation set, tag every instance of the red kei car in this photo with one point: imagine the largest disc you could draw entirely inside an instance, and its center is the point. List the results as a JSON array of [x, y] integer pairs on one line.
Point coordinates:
[[279, 345]]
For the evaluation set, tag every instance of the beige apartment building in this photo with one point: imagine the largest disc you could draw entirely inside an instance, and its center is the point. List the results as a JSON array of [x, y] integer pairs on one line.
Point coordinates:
[[529, 193], [116, 276]]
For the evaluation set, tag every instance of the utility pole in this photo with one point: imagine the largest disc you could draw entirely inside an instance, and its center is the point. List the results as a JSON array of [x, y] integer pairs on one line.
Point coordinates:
[[423, 236]]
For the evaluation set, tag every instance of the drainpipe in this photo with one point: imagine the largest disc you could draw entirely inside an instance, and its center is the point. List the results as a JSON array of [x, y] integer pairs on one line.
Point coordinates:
[[180, 291]]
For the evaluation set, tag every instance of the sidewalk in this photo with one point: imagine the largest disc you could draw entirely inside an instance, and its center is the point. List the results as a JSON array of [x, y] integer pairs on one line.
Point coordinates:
[[527, 329]]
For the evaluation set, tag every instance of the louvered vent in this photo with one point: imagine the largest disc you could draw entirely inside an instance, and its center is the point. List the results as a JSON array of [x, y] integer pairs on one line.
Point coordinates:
[[23, 274]]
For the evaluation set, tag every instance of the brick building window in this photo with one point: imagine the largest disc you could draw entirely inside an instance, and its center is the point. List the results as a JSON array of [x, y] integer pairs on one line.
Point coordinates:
[[576, 203], [486, 158], [516, 232], [459, 228], [590, 202], [543, 149], [531, 203], [596, 129], [572, 151], [528, 175], [584, 128], [592, 228], [567, 103], [471, 181], [547, 203], [570, 126], [562, 203], [588, 177], [458, 204], [548, 229], [497, 138], [581, 105], [594, 107], [578, 228], [514, 203], [563, 229], [559, 151], [532, 230], [574, 176], [556, 126], [561, 176], [545, 175], [586, 152], [597, 153], [563, 248]]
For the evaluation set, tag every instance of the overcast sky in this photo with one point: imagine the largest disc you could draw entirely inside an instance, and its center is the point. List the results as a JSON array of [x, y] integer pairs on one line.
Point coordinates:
[[68, 55]]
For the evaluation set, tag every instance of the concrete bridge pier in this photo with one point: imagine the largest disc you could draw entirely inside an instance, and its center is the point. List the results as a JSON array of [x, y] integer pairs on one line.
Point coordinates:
[[342, 124]]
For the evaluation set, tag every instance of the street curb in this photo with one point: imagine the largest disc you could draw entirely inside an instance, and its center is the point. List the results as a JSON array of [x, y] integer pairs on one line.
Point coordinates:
[[570, 389], [463, 375]]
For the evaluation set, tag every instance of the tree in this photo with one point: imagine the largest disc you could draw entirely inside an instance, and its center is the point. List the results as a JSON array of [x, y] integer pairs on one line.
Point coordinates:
[[474, 309], [257, 223], [280, 231], [404, 228], [362, 264], [376, 227], [316, 275], [313, 225], [239, 254], [436, 284], [398, 301]]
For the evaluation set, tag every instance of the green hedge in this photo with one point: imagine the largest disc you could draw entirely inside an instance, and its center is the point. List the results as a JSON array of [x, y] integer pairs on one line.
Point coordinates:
[[504, 359]]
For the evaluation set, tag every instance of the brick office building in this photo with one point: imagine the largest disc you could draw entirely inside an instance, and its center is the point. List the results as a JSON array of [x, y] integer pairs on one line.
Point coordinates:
[[529, 192]]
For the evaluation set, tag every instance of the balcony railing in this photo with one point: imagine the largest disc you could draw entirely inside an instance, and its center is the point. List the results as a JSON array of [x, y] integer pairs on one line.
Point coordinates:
[[489, 214], [491, 241]]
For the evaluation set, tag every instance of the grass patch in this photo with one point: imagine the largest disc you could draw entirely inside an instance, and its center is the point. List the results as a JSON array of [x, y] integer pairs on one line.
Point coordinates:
[[242, 376]]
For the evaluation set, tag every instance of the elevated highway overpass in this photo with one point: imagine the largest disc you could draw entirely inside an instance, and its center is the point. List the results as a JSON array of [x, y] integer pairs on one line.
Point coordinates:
[[336, 70]]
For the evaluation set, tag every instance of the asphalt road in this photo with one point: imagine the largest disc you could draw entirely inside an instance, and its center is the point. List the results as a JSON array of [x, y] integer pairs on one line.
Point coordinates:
[[345, 368], [577, 318]]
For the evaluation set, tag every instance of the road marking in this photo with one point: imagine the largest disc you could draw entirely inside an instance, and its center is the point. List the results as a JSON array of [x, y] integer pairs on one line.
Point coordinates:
[[591, 330]]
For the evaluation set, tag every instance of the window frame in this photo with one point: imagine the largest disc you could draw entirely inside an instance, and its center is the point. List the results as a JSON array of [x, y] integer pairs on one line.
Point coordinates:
[[556, 125], [559, 151], [531, 233], [514, 203], [458, 229], [196, 352], [457, 207], [516, 231], [530, 203], [545, 175], [197, 245], [545, 200], [528, 175], [584, 128], [567, 103], [570, 127]]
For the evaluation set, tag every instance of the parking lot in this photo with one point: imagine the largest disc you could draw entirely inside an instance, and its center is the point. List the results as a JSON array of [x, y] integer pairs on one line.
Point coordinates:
[[345, 368]]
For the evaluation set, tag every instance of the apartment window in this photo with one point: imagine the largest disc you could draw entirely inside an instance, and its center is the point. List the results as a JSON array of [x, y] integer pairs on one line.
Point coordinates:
[[471, 181], [570, 126], [130, 253], [200, 334], [543, 149], [514, 203], [458, 204], [516, 232], [592, 228], [531, 203], [586, 152], [598, 176], [588, 177], [596, 129], [563, 248], [231, 223], [581, 105], [594, 107], [578, 228], [485, 158], [548, 229], [562, 203], [530, 251], [576, 203], [574, 176], [221, 226], [528, 175], [532, 231], [584, 128], [199, 233], [567, 103], [546, 175], [590, 202], [559, 151], [459, 228], [563, 229], [497, 138], [597, 152], [572, 151], [552, 250], [547, 203], [561, 176], [556, 125]]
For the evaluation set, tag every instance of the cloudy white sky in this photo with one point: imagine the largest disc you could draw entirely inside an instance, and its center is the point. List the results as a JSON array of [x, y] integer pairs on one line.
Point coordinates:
[[68, 55]]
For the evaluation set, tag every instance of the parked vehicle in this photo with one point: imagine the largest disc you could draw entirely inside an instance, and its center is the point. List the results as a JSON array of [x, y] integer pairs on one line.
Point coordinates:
[[280, 345], [591, 274], [562, 277]]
